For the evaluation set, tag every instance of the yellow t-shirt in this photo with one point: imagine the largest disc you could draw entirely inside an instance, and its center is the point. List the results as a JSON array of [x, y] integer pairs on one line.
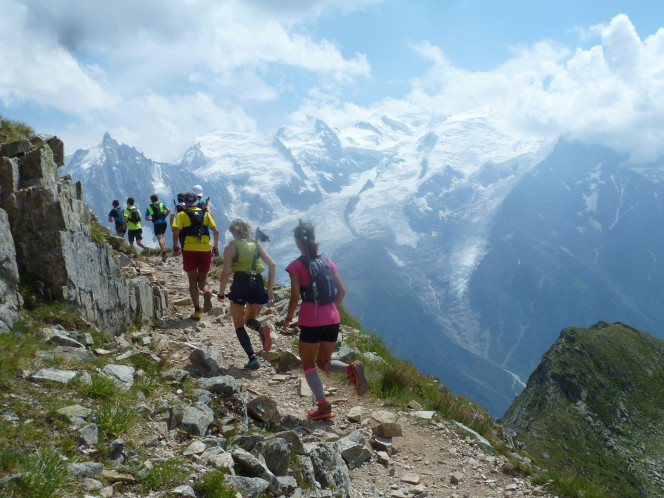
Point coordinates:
[[192, 242], [127, 214]]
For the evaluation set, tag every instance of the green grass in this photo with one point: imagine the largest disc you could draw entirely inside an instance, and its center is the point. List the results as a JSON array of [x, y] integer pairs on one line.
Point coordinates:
[[399, 382], [164, 475], [101, 388], [58, 314], [348, 319], [100, 234], [213, 485], [44, 475], [19, 344], [569, 487], [11, 131], [115, 417]]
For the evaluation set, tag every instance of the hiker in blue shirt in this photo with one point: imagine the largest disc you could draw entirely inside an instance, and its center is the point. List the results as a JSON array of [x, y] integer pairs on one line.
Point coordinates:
[[157, 213], [116, 215]]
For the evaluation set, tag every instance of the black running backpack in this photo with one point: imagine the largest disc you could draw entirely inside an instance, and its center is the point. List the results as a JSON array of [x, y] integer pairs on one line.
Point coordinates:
[[157, 213], [196, 228], [134, 215], [321, 290]]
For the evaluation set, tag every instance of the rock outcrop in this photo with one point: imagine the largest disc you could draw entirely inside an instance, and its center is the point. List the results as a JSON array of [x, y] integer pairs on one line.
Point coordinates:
[[592, 408], [11, 299], [52, 242]]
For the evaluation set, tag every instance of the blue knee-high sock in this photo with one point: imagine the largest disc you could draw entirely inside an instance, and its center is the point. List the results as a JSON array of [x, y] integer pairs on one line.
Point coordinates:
[[254, 324], [315, 384], [335, 366], [245, 342]]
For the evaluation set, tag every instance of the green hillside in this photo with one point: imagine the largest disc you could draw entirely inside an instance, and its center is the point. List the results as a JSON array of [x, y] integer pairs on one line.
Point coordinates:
[[593, 409]]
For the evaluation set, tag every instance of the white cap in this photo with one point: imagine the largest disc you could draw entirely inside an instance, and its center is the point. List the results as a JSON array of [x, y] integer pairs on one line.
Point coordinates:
[[198, 190]]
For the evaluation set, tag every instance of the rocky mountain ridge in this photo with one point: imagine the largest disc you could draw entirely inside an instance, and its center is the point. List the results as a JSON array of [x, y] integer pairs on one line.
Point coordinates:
[[593, 409]]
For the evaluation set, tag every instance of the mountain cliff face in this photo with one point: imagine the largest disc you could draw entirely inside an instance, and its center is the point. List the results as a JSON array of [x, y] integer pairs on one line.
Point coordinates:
[[49, 241], [495, 240], [592, 408]]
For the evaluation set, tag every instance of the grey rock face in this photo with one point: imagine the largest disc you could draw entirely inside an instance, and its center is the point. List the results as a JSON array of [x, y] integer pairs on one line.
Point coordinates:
[[329, 467], [225, 385], [122, 375], [63, 340], [248, 486], [207, 359], [264, 409], [51, 228], [11, 302], [89, 435], [54, 375], [277, 456], [85, 469], [196, 419]]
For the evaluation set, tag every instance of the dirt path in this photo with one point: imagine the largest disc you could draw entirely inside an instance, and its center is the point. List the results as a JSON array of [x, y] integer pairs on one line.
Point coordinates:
[[430, 459]]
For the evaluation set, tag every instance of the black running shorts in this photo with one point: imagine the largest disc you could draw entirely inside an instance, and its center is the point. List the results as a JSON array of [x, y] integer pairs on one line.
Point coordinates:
[[135, 234], [160, 228], [325, 333]]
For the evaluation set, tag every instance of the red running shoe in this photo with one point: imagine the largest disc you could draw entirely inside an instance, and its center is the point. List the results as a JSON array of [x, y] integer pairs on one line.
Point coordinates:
[[356, 375], [323, 411], [266, 337]]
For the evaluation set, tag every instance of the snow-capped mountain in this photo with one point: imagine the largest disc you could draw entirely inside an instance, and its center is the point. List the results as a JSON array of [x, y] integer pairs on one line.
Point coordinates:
[[465, 245]]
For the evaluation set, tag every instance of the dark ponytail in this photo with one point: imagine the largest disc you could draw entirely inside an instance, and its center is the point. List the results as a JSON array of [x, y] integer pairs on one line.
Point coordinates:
[[305, 233]]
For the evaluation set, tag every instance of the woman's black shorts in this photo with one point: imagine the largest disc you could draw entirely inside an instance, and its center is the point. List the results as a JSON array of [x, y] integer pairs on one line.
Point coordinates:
[[325, 333], [244, 292]]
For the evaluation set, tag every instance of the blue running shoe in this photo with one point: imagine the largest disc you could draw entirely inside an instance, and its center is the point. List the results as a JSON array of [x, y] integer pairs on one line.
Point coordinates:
[[253, 363]]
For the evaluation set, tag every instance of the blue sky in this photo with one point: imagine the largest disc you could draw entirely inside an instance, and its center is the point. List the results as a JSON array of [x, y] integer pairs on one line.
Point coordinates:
[[159, 74]]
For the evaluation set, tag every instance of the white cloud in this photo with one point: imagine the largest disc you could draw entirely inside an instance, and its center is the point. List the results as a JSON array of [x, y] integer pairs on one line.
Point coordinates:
[[163, 65], [611, 94], [37, 69], [166, 125]]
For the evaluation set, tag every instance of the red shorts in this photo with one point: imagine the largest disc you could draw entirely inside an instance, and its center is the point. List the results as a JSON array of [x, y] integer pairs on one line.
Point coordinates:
[[196, 260]]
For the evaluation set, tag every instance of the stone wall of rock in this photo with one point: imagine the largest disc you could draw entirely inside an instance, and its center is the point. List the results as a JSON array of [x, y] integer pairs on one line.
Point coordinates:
[[51, 228], [10, 303]]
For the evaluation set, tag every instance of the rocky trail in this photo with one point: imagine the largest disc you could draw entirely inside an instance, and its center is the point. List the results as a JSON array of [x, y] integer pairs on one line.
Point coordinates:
[[430, 458]]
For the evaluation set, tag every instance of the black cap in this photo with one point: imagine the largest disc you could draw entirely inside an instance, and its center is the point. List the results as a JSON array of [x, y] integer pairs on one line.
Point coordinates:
[[190, 199]]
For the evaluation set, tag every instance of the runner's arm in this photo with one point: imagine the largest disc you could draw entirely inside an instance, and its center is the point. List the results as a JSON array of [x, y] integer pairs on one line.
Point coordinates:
[[271, 270], [294, 300], [341, 290], [229, 254]]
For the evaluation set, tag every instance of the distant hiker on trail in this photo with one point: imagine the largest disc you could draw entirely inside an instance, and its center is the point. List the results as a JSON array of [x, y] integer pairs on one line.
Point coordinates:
[[116, 215], [198, 190], [241, 257], [315, 279], [156, 213], [191, 229], [132, 217], [179, 206]]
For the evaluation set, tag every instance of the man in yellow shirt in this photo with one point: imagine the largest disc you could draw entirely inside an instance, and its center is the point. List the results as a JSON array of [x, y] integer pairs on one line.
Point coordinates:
[[191, 229], [133, 223]]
